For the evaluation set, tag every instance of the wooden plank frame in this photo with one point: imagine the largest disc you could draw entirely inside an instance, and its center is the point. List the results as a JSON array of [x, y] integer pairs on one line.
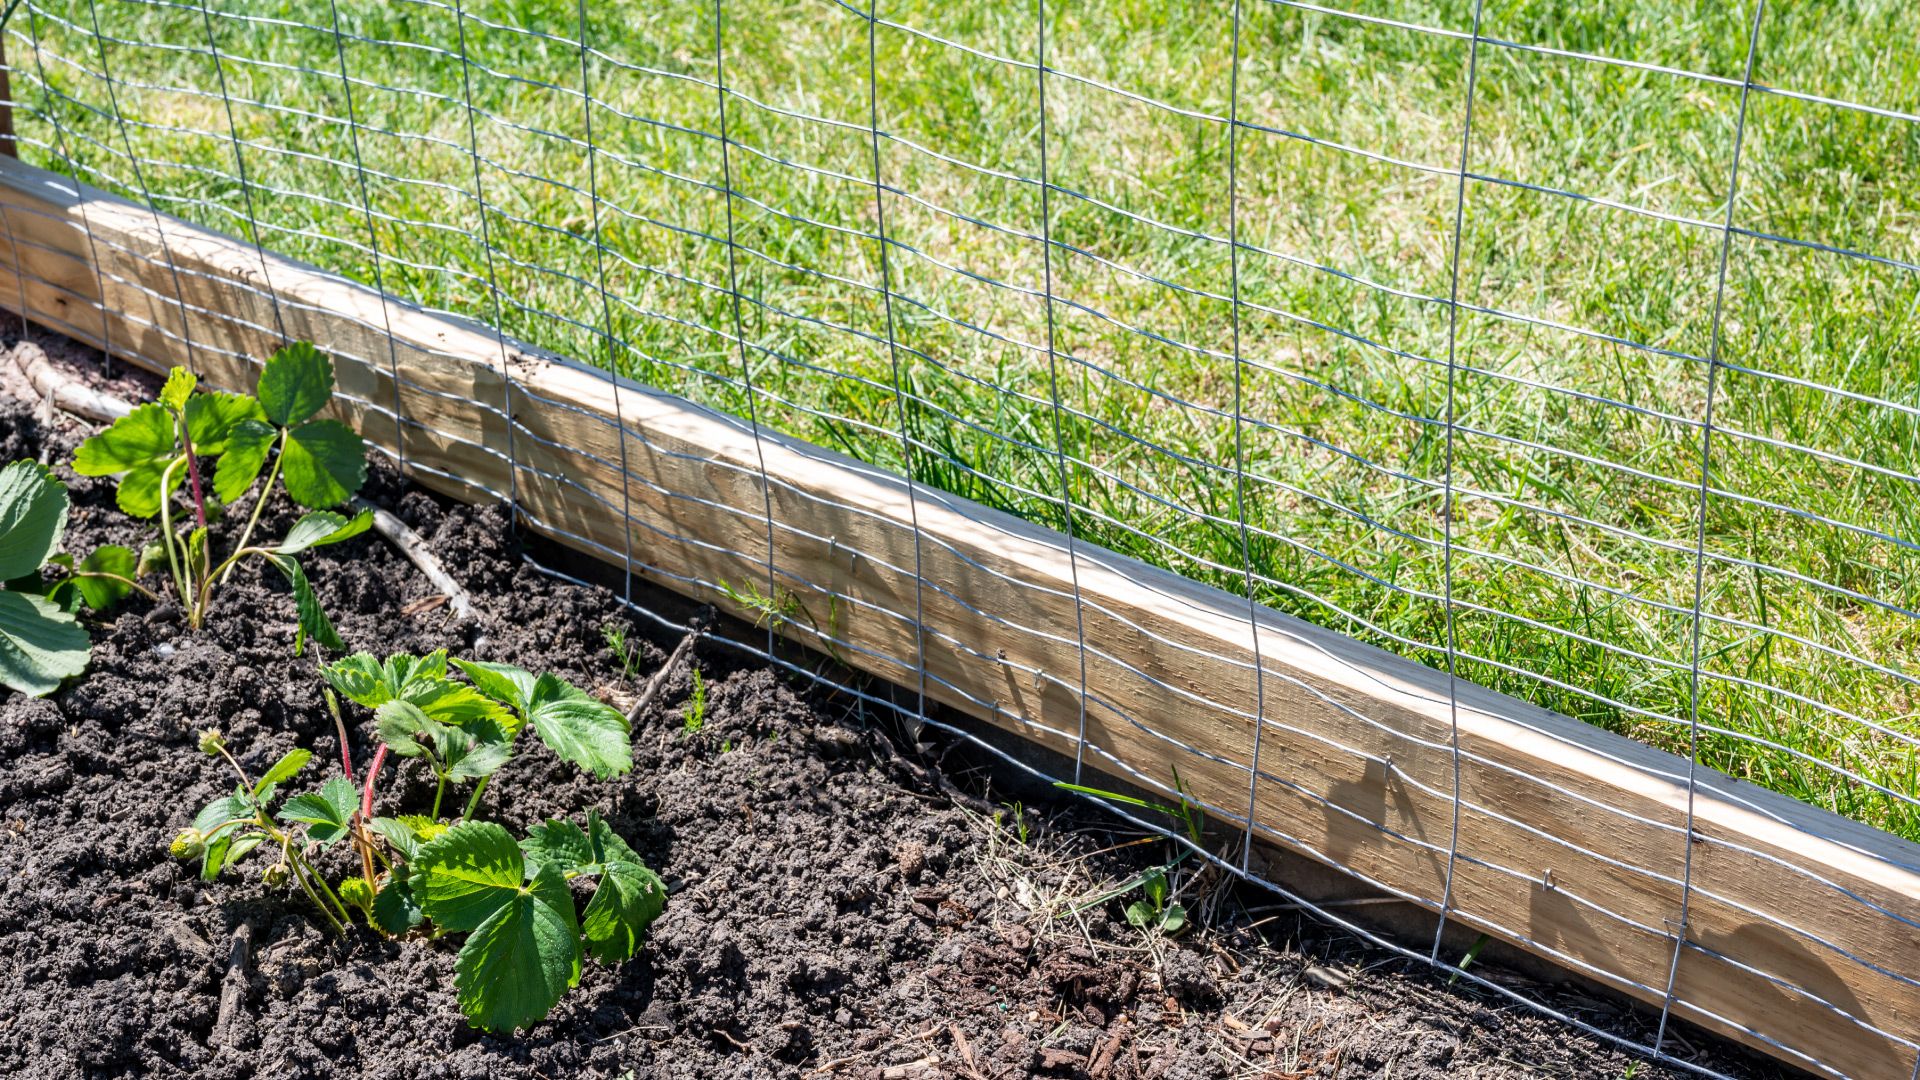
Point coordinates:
[[1803, 929]]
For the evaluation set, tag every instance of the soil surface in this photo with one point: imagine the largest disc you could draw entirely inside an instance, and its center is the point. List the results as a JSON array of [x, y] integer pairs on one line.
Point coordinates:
[[840, 908]]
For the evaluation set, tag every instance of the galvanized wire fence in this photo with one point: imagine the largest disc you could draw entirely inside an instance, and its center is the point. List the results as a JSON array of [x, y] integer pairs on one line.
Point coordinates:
[[1563, 348]]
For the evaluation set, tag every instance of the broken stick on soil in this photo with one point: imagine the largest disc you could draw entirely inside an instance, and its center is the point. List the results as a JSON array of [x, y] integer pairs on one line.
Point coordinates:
[[410, 544], [64, 391], [695, 631], [233, 990]]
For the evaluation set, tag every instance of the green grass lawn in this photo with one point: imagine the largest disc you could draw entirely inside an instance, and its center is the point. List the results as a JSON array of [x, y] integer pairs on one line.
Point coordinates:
[[1589, 256]]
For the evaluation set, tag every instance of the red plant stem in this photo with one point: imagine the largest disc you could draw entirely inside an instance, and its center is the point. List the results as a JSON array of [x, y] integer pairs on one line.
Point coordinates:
[[193, 475], [373, 773]]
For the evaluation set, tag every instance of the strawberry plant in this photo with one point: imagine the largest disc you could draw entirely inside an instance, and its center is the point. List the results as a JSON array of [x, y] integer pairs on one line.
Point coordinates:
[[514, 900], [162, 447]]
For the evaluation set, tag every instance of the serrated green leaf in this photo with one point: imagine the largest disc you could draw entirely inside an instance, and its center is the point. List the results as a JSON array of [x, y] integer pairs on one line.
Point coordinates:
[[178, 387], [558, 842], [33, 516], [243, 844], [516, 965], [394, 908], [40, 645], [142, 437], [627, 900], [466, 874], [139, 492], [423, 682], [246, 455], [579, 728], [327, 813], [101, 593], [217, 822], [628, 896], [222, 815], [323, 527], [403, 727], [285, 769], [399, 834], [295, 383], [213, 419], [311, 617], [504, 683], [323, 464], [469, 757]]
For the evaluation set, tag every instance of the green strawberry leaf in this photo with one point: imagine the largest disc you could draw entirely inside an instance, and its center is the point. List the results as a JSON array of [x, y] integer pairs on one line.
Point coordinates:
[[504, 683], [33, 516], [144, 436], [402, 726], [295, 383], [178, 387], [516, 965], [311, 617], [323, 464], [323, 527], [327, 813], [579, 728], [627, 901], [466, 874], [139, 492], [246, 454], [100, 593], [217, 822], [40, 645], [282, 771], [468, 756], [561, 843], [423, 682], [394, 908], [213, 420], [407, 832]]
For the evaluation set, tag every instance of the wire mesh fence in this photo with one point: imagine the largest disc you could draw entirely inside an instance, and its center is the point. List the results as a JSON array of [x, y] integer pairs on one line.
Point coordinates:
[[1564, 348]]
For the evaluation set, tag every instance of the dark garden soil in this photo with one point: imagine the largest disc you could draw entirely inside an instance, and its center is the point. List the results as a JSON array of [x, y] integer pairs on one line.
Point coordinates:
[[838, 908]]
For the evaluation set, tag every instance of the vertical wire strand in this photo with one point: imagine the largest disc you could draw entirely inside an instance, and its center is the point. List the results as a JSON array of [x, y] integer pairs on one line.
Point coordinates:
[[1240, 440], [240, 171], [1446, 497], [606, 307], [373, 237], [893, 349], [73, 172], [493, 279], [1053, 392], [1700, 534], [733, 290], [139, 176]]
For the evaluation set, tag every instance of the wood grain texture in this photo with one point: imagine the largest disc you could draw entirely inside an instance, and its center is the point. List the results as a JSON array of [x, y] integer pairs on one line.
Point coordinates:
[[1802, 934]]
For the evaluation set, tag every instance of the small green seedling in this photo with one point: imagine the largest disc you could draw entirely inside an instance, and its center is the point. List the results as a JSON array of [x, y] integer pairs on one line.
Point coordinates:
[[163, 446], [41, 643], [1153, 911], [229, 827], [1017, 814], [1192, 818], [695, 716], [615, 636]]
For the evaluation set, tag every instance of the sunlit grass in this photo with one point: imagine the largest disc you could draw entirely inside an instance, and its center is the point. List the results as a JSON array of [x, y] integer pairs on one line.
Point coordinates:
[[1578, 393]]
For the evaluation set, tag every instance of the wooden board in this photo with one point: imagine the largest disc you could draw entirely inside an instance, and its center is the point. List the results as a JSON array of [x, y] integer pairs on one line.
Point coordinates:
[[1802, 934]]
